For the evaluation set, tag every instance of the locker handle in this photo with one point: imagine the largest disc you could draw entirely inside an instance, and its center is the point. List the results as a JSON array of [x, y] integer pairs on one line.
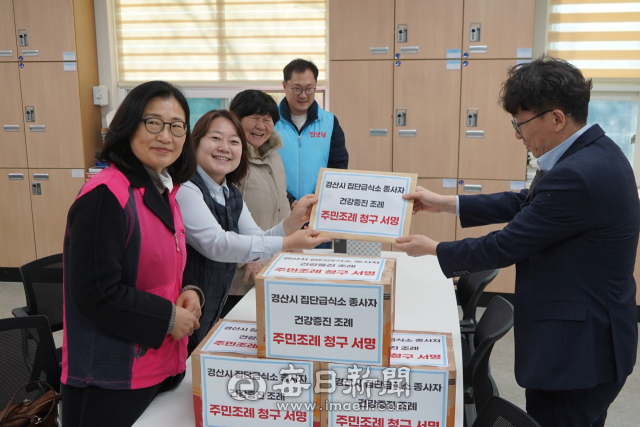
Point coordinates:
[[470, 188], [41, 176], [377, 132], [408, 133], [474, 134], [377, 50], [29, 52], [409, 49], [6, 53], [478, 49], [12, 128], [36, 128], [16, 176]]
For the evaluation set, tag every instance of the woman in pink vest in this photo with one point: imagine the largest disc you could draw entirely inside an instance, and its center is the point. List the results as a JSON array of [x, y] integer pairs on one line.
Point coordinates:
[[128, 308]]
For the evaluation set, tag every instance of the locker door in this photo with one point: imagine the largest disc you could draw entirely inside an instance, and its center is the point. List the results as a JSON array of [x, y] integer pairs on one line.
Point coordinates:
[[488, 147], [428, 29], [58, 189], [16, 223], [498, 28], [54, 137], [8, 46], [49, 30], [361, 29], [362, 100], [506, 279], [427, 144], [13, 152], [439, 227]]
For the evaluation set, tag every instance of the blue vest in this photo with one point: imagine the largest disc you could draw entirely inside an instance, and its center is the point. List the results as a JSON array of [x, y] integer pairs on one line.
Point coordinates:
[[304, 154]]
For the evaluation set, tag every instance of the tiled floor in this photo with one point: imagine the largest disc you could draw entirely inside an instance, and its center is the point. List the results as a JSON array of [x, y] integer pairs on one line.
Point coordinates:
[[625, 411]]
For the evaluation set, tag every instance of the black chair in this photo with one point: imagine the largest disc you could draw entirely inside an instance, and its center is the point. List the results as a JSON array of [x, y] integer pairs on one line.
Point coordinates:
[[500, 413], [469, 289], [42, 280], [27, 354], [479, 385]]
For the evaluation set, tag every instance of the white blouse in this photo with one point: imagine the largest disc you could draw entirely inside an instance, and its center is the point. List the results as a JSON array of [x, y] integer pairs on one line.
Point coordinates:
[[205, 234]]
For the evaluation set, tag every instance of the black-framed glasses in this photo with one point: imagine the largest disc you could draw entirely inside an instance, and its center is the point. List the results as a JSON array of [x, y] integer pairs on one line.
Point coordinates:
[[298, 90], [153, 125], [517, 125]]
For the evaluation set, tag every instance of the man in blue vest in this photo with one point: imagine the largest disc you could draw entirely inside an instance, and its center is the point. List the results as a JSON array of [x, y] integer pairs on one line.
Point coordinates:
[[311, 137]]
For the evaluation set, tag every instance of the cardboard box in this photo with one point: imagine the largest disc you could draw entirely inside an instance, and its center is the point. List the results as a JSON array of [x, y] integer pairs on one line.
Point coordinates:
[[333, 308], [407, 394], [233, 387]]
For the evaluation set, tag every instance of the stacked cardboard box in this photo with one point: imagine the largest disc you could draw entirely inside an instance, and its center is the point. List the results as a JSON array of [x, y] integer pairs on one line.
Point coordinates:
[[324, 353]]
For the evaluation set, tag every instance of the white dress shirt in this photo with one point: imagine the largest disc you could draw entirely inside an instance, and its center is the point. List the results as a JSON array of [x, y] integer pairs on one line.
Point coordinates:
[[205, 234]]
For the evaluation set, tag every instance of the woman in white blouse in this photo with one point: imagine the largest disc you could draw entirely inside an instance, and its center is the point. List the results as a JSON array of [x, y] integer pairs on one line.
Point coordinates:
[[220, 231]]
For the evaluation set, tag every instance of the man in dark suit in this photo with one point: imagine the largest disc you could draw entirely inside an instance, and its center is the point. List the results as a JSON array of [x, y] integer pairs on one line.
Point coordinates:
[[572, 236]]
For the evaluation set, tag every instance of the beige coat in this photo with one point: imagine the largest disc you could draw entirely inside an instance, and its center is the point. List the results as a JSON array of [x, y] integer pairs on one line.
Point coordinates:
[[264, 190]]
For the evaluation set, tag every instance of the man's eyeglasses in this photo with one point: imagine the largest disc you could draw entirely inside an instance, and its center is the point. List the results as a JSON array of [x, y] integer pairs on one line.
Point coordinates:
[[154, 125], [298, 90], [517, 125]]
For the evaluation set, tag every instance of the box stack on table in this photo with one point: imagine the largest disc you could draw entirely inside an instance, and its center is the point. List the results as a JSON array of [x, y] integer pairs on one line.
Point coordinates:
[[323, 353]]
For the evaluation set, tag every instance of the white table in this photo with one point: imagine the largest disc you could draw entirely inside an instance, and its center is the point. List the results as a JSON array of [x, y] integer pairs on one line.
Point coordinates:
[[425, 301]]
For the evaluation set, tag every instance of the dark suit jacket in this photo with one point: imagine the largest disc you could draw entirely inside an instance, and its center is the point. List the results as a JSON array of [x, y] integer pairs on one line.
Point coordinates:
[[574, 245]]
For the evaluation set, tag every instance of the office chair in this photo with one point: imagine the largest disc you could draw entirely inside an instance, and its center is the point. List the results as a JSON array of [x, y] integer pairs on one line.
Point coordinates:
[[469, 289], [479, 385], [42, 280], [498, 412], [27, 353]]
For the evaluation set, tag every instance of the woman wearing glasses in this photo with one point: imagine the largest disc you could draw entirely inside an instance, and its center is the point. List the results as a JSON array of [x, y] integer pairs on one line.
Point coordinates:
[[220, 229], [128, 306]]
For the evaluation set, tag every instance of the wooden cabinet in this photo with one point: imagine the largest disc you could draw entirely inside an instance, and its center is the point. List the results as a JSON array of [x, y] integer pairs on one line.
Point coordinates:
[[59, 188], [49, 29], [12, 148], [430, 28], [488, 148], [8, 46], [368, 123], [427, 144], [51, 78], [500, 28], [506, 279], [439, 227], [361, 29], [16, 222], [54, 138]]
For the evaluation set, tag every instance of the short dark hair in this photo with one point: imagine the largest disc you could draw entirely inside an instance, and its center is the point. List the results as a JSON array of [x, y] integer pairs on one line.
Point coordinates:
[[299, 66], [202, 128], [544, 84], [251, 101], [117, 145]]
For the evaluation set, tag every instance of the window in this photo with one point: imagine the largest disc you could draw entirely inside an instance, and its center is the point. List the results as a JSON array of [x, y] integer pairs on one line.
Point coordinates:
[[600, 37], [217, 41]]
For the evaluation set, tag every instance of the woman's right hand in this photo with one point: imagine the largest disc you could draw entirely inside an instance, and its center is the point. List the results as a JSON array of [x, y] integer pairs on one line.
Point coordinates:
[[186, 323], [303, 239]]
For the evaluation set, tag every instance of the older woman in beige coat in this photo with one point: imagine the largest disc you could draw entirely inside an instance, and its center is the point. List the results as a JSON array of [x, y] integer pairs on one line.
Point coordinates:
[[264, 189]]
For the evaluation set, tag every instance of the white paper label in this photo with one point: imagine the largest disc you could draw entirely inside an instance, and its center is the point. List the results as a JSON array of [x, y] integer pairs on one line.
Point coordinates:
[[516, 185], [69, 66], [68, 56], [453, 65], [234, 337], [238, 392], [524, 52], [329, 322], [449, 183], [363, 204], [326, 267], [454, 53], [418, 349], [77, 173], [419, 401]]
